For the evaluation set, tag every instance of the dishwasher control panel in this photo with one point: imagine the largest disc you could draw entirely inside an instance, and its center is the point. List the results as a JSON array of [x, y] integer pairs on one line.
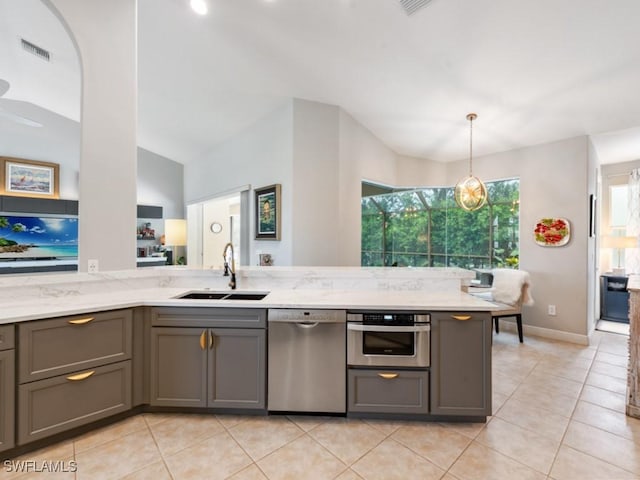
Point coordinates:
[[305, 315]]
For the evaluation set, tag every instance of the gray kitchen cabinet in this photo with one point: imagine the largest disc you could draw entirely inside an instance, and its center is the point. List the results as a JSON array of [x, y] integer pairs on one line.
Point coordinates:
[[7, 388], [59, 403], [388, 391], [461, 364], [72, 371], [67, 344], [206, 365]]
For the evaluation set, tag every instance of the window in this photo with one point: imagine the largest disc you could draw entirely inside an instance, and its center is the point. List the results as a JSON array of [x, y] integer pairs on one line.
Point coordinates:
[[425, 228], [619, 206]]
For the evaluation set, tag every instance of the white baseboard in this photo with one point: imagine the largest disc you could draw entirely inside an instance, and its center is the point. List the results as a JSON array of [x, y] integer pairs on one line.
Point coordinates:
[[546, 333]]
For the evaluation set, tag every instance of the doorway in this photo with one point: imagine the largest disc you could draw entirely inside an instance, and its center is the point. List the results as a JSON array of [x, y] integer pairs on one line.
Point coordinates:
[[213, 223]]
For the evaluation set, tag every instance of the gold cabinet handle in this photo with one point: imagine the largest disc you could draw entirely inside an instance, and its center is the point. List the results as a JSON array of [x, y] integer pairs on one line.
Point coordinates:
[[81, 376], [81, 321], [203, 340], [388, 376], [461, 317], [210, 340]]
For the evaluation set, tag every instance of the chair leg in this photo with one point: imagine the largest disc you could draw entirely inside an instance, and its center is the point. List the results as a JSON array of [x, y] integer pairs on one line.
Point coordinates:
[[519, 324], [495, 319]]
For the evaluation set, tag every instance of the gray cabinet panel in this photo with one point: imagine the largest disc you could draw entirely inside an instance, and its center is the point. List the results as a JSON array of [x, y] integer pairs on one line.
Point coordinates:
[[33, 205], [6, 337], [67, 344], [388, 391], [149, 211], [237, 368], [209, 317], [57, 404], [178, 370], [7, 395], [140, 356], [461, 363]]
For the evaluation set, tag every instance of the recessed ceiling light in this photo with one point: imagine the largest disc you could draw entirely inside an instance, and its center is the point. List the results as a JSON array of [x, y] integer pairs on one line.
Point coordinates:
[[199, 6]]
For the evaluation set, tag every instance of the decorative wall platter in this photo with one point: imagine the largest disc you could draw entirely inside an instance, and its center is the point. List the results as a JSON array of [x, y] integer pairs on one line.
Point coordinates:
[[552, 232]]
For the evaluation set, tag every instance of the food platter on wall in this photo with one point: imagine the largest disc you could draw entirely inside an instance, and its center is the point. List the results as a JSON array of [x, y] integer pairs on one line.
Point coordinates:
[[552, 232]]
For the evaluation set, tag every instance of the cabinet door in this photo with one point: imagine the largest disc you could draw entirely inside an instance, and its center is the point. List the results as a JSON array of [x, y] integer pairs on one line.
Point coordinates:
[[178, 367], [237, 368], [461, 363], [7, 393]]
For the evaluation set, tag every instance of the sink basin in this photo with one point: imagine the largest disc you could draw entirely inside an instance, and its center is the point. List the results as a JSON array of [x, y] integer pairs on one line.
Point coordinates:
[[205, 295], [246, 296], [224, 295]]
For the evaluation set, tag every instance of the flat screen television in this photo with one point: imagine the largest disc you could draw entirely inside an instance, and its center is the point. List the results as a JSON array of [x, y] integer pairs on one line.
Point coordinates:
[[38, 237]]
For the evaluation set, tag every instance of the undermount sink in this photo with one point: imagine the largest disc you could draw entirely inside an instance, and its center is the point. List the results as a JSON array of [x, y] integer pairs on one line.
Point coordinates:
[[224, 296]]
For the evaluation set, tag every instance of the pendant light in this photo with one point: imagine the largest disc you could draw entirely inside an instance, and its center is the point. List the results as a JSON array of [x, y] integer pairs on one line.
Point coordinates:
[[470, 193]]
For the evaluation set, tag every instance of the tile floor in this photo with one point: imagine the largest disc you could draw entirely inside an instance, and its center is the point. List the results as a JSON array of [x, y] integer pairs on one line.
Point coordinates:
[[558, 414]]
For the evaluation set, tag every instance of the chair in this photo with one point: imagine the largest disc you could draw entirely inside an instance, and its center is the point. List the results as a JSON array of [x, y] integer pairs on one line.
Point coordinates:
[[510, 290]]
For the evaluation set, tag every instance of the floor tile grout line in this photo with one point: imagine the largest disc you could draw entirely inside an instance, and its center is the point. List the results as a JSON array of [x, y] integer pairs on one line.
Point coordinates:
[[524, 428], [571, 419], [265, 456], [253, 462], [155, 441]]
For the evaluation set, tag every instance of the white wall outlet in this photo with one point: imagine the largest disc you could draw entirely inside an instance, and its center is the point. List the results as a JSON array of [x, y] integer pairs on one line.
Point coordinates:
[[92, 265], [551, 310]]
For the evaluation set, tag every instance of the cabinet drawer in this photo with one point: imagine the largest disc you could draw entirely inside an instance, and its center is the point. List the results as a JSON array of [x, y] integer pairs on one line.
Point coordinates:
[[62, 345], [209, 317], [388, 391], [6, 337], [60, 403]]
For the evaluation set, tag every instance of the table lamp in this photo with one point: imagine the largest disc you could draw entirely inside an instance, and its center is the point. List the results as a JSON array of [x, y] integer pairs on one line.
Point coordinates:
[[175, 234], [619, 243]]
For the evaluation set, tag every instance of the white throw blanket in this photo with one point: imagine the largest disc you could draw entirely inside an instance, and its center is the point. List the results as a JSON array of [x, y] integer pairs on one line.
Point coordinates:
[[507, 286]]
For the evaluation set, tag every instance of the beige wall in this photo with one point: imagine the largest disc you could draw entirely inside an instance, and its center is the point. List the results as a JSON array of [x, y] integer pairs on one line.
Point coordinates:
[[553, 183]]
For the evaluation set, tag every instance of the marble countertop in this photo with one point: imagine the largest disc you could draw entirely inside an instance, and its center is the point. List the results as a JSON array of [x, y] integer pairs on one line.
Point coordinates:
[[47, 307]]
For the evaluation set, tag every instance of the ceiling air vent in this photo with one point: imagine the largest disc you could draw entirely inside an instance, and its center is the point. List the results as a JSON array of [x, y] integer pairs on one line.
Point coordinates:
[[412, 6], [36, 50]]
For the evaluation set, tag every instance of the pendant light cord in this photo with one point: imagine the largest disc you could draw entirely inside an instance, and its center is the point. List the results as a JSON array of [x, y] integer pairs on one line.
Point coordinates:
[[470, 147]]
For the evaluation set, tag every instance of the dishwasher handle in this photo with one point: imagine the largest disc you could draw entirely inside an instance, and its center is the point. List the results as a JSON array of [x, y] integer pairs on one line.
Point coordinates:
[[308, 325]]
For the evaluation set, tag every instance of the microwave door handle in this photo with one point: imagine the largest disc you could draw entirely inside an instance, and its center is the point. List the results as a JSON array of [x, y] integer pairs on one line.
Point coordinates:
[[385, 328]]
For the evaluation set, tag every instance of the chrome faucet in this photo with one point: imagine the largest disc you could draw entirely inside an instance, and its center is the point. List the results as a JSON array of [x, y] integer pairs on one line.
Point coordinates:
[[229, 268]]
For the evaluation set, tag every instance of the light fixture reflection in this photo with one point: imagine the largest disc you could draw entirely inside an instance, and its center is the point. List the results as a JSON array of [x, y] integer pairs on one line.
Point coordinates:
[[199, 6], [470, 193]]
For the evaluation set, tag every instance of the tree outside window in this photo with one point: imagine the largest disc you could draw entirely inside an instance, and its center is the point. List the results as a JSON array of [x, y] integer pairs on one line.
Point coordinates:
[[425, 228]]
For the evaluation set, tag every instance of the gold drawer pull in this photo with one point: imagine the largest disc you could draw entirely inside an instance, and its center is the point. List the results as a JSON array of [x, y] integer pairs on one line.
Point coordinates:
[[210, 339], [461, 317], [203, 340], [81, 376], [81, 321], [388, 376]]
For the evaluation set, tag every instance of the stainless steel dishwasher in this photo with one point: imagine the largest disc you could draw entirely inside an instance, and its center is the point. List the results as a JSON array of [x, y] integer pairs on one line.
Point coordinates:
[[307, 361]]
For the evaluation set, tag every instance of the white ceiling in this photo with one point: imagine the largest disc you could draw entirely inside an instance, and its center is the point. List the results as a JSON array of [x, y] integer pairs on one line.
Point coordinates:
[[534, 72]]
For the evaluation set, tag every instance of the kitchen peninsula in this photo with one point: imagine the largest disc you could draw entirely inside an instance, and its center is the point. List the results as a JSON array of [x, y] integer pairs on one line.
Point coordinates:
[[66, 339]]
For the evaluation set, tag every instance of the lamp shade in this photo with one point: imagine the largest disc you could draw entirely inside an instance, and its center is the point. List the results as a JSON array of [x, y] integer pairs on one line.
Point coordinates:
[[175, 231], [619, 242]]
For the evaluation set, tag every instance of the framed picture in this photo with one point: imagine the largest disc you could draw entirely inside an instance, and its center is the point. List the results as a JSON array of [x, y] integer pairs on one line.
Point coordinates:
[[552, 232], [28, 178], [267, 212]]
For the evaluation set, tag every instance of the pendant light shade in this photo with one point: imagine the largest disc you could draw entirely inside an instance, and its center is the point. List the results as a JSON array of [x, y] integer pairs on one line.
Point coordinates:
[[470, 193]]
